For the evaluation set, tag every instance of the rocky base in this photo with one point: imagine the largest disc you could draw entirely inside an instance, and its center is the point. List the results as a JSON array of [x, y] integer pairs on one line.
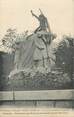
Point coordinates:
[[39, 81]]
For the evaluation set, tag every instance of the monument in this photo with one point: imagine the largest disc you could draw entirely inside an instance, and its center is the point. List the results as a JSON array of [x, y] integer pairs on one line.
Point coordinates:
[[32, 54]]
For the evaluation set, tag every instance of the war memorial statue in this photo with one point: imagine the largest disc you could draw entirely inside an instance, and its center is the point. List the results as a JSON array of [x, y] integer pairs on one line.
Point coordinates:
[[33, 53], [37, 63]]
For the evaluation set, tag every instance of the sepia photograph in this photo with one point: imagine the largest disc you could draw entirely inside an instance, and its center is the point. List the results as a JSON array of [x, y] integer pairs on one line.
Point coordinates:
[[37, 54]]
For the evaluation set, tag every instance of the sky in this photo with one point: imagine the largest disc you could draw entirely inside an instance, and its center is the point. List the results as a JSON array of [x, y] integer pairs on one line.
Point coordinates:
[[16, 14]]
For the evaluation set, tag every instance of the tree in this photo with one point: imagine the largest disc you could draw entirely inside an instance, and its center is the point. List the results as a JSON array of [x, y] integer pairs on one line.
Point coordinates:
[[9, 38], [65, 56]]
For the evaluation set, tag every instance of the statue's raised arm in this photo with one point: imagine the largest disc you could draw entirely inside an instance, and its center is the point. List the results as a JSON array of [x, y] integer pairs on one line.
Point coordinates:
[[34, 15]]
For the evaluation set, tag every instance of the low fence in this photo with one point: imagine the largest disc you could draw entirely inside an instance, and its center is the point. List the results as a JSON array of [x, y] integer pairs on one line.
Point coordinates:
[[48, 98]]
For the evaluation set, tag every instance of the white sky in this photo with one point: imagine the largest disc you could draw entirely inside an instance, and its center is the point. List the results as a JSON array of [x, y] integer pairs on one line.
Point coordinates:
[[16, 14]]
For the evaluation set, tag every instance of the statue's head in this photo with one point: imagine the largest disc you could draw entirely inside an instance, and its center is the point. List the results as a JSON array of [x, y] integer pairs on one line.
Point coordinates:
[[41, 16]]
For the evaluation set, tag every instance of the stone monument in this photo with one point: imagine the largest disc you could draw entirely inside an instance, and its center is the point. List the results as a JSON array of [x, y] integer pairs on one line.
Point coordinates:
[[32, 53]]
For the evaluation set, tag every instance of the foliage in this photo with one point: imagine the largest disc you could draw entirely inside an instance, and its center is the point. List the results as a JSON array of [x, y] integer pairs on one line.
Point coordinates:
[[65, 53], [9, 39], [12, 37]]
